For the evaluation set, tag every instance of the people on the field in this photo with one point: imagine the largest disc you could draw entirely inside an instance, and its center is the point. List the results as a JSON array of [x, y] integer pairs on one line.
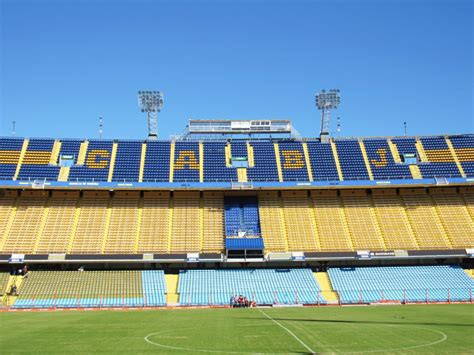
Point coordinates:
[[240, 301]]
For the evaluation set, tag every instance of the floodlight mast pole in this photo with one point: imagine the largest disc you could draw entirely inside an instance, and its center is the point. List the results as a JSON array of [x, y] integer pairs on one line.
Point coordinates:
[[151, 102], [325, 101]]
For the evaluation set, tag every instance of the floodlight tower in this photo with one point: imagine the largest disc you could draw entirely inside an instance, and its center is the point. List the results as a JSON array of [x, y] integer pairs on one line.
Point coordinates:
[[151, 102], [326, 101]]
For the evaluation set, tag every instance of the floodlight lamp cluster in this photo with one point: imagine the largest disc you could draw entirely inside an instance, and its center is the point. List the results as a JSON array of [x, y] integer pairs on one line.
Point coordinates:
[[328, 100], [150, 101]]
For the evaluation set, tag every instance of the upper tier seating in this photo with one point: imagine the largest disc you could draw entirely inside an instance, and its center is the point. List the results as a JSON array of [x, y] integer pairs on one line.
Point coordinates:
[[464, 148], [10, 149], [323, 165], [97, 162], [36, 161], [127, 161], [264, 286], [401, 283], [382, 163], [157, 161], [70, 147], [215, 168], [441, 161], [46, 289], [265, 162], [351, 160], [210, 161], [293, 164], [186, 161]]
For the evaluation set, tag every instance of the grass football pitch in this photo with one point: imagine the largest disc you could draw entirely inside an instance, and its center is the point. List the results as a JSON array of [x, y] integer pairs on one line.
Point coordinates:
[[384, 329]]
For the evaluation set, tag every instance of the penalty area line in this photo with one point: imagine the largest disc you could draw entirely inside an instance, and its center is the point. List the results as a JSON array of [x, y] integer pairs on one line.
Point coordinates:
[[289, 332]]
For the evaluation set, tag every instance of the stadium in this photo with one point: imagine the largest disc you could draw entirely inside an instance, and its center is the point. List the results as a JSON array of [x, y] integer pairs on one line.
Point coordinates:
[[280, 221], [247, 215]]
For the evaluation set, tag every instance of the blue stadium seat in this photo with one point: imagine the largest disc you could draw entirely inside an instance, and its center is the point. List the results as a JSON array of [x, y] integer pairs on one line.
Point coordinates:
[[293, 164], [10, 149], [323, 165], [446, 168], [400, 283], [382, 163], [464, 147], [241, 214], [36, 161], [97, 164], [127, 161], [264, 286], [265, 162], [186, 162], [70, 147], [157, 161], [154, 287], [351, 160], [215, 168]]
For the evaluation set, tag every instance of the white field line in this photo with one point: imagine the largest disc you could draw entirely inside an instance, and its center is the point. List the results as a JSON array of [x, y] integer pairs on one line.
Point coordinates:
[[289, 332]]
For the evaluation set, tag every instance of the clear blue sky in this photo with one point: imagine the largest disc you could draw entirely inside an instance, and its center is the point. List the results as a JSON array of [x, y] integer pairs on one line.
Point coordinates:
[[64, 63]]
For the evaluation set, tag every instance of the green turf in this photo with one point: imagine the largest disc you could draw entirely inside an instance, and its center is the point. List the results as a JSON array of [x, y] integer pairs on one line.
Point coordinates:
[[392, 329]]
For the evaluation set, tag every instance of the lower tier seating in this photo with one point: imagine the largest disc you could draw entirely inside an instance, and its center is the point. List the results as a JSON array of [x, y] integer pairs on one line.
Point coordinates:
[[264, 286], [4, 277], [401, 283], [91, 289]]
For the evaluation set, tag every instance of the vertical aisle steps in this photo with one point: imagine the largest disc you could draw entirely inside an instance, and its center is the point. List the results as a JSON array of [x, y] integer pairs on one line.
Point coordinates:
[[41, 226], [455, 157], [421, 151], [228, 155], [250, 155], [108, 216], [366, 159], [327, 291], [142, 163], [55, 152], [172, 148], [336, 160], [242, 175], [395, 152], [112, 161], [64, 173], [201, 161], [415, 171], [172, 297], [20, 159], [307, 160], [75, 222], [9, 300], [81, 157], [278, 162]]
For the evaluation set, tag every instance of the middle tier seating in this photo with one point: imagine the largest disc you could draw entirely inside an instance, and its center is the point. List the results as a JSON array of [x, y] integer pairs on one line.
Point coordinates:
[[130, 222], [241, 216]]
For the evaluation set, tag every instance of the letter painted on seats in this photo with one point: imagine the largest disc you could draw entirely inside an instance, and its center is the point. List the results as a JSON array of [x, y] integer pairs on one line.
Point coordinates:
[[382, 153], [186, 160], [292, 159], [98, 159]]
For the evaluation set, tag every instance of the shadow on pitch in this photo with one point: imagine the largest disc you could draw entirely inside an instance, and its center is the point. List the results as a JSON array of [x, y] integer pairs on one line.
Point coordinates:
[[338, 321]]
